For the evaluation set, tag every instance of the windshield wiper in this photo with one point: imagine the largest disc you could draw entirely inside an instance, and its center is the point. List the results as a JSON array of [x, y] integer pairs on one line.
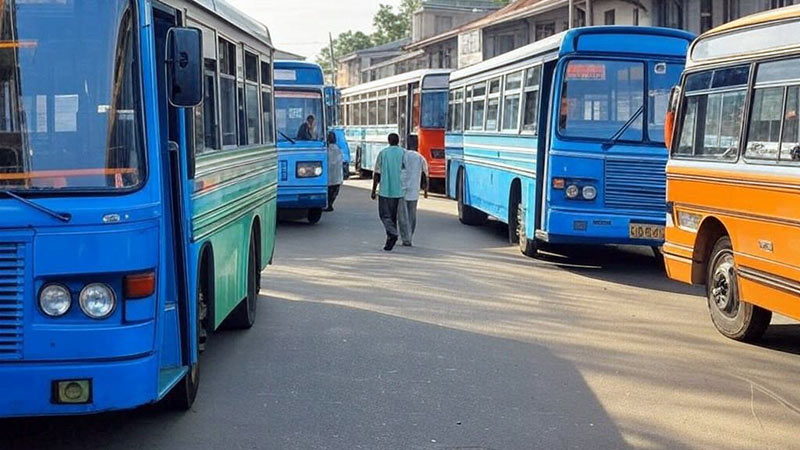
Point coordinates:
[[64, 217], [287, 137], [613, 141]]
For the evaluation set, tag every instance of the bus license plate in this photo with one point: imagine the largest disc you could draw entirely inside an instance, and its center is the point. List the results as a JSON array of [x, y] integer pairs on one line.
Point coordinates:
[[646, 231]]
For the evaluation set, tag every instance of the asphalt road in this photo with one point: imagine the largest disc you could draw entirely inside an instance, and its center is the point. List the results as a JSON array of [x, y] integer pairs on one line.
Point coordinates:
[[462, 343]]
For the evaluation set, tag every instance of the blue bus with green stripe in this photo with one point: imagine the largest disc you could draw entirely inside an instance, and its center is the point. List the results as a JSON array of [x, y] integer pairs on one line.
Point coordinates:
[[138, 196], [563, 140]]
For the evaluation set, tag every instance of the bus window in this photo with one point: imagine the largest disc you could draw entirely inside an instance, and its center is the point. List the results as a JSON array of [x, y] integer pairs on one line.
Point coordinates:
[[292, 108], [765, 124], [373, 112], [599, 97], [478, 106], [660, 82], [511, 99], [392, 117], [790, 147], [402, 117], [712, 114], [434, 109], [530, 117], [458, 111], [382, 111], [206, 126], [227, 91], [252, 114], [493, 105]]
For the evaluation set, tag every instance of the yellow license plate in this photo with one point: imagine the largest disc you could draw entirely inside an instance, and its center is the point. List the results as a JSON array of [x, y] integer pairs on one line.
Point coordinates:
[[646, 231]]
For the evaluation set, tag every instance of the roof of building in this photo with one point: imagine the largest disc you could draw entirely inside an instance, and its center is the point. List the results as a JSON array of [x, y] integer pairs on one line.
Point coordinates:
[[228, 12], [383, 48], [516, 10], [467, 5]]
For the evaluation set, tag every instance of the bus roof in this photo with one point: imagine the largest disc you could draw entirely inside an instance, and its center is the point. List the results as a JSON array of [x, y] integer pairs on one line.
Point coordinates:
[[298, 73], [396, 80], [228, 12], [587, 40], [768, 33]]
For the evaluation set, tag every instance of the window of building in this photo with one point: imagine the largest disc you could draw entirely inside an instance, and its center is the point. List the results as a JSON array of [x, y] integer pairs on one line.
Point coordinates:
[[782, 3], [530, 116], [706, 15], [442, 24], [610, 17], [227, 92], [730, 10], [545, 29], [670, 13], [503, 43], [636, 16]]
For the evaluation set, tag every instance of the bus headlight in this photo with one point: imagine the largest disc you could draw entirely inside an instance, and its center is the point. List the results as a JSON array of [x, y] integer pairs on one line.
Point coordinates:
[[55, 300], [589, 192], [308, 169], [573, 191], [97, 301]]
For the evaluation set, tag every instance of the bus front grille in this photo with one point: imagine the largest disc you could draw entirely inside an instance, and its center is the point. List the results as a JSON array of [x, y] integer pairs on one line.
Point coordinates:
[[12, 281], [635, 184]]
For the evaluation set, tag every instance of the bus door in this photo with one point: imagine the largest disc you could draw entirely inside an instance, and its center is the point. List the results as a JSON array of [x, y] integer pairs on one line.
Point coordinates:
[[546, 110], [174, 148]]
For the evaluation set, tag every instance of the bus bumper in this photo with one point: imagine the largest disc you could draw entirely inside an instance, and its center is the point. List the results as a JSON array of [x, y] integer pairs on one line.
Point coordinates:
[[302, 198], [580, 227], [678, 262], [31, 389]]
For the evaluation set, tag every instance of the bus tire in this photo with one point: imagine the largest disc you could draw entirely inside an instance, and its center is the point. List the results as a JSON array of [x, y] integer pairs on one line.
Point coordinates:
[[732, 317], [527, 246], [244, 316], [314, 215], [467, 214], [359, 158]]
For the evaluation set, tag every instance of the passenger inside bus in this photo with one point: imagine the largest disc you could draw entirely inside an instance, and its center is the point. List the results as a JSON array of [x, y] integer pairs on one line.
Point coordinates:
[[307, 131]]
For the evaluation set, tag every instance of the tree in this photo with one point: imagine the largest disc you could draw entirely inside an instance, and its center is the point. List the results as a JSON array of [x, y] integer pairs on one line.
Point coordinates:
[[389, 26], [344, 44]]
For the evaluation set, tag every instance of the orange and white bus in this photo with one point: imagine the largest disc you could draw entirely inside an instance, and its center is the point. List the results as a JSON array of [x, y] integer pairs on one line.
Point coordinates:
[[733, 179]]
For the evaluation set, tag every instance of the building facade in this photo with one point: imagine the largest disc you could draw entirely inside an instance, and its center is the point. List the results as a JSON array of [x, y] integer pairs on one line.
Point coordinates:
[[494, 32]]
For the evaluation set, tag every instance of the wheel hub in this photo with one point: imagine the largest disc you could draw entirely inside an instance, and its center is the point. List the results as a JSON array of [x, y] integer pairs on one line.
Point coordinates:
[[722, 291]]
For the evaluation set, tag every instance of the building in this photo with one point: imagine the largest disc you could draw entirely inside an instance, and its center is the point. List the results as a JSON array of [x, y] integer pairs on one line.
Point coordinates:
[[351, 68], [287, 56], [522, 22]]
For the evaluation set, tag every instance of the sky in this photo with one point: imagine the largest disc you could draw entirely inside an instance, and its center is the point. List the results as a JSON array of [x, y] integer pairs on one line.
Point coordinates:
[[302, 26]]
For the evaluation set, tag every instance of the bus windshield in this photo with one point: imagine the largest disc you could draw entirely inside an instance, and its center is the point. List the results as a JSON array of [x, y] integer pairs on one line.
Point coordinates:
[[292, 110], [69, 107], [434, 109], [599, 97]]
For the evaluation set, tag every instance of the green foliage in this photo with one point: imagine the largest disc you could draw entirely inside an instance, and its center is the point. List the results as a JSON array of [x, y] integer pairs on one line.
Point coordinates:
[[388, 25]]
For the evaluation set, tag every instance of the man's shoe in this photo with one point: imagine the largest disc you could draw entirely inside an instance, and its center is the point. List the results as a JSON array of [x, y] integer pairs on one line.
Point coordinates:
[[406, 244], [329, 209], [390, 242]]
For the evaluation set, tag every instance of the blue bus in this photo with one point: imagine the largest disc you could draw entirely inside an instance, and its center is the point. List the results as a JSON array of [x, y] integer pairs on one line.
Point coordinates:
[[302, 160], [333, 114], [563, 140], [137, 196]]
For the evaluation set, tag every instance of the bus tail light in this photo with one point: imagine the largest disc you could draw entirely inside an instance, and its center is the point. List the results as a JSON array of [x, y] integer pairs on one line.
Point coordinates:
[[139, 285]]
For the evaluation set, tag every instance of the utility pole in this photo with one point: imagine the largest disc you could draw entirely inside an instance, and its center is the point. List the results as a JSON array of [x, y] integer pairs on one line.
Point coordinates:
[[333, 60], [570, 15]]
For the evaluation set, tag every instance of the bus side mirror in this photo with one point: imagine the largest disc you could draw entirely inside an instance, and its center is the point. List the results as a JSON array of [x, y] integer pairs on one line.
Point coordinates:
[[185, 67], [669, 119]]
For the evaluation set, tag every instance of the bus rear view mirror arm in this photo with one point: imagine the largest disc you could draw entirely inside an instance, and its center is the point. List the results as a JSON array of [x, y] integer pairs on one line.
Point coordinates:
[[185, 67]]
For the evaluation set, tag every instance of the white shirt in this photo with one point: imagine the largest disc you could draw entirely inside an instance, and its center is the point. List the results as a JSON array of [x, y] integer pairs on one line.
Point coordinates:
[[413, 167]]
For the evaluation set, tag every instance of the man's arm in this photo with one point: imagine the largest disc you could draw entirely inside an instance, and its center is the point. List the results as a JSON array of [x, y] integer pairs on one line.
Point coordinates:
[[425, 175], [376, 175]]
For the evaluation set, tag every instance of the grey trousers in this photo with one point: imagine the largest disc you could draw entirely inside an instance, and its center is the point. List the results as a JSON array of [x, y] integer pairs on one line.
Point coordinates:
[[408, 219], [387, 210]]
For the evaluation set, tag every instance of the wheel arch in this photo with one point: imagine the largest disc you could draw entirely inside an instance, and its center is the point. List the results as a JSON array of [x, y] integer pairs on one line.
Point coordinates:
[[710, 231], [205, 280]]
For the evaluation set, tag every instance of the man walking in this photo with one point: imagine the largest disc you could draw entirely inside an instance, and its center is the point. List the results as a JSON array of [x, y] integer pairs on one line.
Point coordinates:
[[414, 169], [388, 174]]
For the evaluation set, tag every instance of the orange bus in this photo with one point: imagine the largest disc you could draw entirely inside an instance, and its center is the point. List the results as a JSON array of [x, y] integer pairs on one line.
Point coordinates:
[[733, 179]]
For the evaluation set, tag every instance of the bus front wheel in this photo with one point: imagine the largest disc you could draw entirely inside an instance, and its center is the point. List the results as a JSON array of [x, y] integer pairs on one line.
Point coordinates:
[[184, 393], [314, 215], [733, 318]]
